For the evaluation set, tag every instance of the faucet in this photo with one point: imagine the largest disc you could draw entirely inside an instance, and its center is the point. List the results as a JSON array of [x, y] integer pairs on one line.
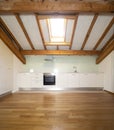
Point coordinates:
[[75, 69]]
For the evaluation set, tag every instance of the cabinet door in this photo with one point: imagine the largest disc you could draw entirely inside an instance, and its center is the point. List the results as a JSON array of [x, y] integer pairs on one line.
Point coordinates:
[[88, 80], [62, 80], [30, 80], [73, 80], [37, 80], [100, 80]]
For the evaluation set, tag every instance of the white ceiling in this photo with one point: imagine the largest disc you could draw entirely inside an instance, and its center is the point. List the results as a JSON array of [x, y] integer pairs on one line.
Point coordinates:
[[82, 26]]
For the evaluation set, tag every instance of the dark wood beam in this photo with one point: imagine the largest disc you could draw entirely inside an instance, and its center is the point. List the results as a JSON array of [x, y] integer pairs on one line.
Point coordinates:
[[71, 16], [74, 28], [57, 43], [108, 42], [11, 46], [89, 31], [105, 52], [5, 26], [40, 30], [104, 33], [59, 52], [66, 6], [24, 30]]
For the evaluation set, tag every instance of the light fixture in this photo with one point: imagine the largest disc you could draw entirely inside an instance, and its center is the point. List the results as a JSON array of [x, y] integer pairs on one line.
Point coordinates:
[[31, 70], [55, 71]]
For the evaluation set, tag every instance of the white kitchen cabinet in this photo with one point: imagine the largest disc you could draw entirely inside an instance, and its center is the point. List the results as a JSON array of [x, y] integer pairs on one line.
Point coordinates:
[[100, 80], [73, 80], [91, 80], [63, 80], [68, 80], [30, 80], [87, 80], [37, 80]]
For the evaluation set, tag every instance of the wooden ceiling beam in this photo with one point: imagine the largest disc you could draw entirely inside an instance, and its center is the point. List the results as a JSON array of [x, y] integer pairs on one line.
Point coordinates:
[[57, 43], [5, 26], [74, 28], [11, 46], [105, 52], [66, 6], [104, 33], [108, 42], [89, 31], [24, 30], [59, 52], [40, 30], [57, 16]]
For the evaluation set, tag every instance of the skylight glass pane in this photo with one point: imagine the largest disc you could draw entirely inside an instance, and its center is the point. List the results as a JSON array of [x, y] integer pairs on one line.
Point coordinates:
[[57, 29]]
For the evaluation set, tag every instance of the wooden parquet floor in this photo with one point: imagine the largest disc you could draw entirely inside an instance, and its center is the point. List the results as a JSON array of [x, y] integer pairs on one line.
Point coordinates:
[[57, 111]]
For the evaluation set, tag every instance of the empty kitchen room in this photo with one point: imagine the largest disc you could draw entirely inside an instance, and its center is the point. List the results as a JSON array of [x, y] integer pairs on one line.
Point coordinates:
[[56, 65]]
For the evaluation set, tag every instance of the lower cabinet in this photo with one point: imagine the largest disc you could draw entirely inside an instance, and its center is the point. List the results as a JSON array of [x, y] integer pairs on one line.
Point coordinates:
[[91, 80], [30, 80], [73, 80], [63, 80], [67, 80]]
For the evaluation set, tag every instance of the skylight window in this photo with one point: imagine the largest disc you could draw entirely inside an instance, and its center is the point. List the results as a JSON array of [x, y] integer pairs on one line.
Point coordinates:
[[57, 29]]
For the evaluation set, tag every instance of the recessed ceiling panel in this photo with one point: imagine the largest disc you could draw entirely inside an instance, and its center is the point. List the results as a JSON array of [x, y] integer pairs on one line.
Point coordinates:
[[45, 31], [31, 26], [14, 27], [98, 29], [69, 30], [82, 27]]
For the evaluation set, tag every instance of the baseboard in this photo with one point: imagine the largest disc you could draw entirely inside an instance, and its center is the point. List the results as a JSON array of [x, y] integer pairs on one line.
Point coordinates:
[[62, 89], [109, 92], [6, 94], [16, 90]]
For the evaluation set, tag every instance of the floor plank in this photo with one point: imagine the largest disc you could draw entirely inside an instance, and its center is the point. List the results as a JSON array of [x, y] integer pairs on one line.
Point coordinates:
[[57, 111]]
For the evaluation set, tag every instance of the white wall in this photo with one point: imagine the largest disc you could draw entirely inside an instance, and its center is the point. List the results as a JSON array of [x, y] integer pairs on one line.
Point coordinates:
[[113, 70], [61, 63], [10, 66], [17, 68], [107, 66], [84, 64], [6, 69]]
